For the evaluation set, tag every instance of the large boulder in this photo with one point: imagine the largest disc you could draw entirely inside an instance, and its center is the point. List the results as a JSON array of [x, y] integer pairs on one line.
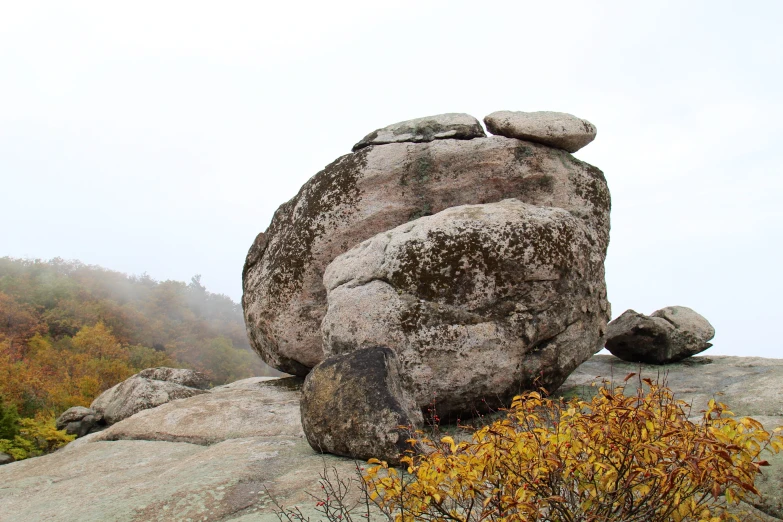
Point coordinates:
[[478, 301], [379, 188], [667, 335], [556, 129], [80, 421], [440, 127], [355, 404], [139, 393]]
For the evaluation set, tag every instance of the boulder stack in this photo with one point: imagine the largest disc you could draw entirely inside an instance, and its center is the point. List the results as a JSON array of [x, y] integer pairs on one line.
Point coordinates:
[[378, 188], [476, 262]]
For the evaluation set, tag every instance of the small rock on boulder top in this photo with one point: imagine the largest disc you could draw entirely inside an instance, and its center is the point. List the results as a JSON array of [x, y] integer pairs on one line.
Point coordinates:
[[145, 390], [556, 129], [5, 458], [668, 335], [80, 421], [443, 126], [354, 404]]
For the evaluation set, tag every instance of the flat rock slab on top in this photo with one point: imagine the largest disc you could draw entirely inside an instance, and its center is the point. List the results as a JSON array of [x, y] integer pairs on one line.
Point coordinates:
[[442, 126], [556, 129]]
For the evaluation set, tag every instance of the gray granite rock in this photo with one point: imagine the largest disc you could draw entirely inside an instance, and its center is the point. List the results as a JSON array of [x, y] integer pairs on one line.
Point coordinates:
[[80, 421], [354, 404], [478, 301], [668, 335], [440, 127], [556, 129], [139, 393], [5, 458], [183, 376], [256, 409], [377, 189]]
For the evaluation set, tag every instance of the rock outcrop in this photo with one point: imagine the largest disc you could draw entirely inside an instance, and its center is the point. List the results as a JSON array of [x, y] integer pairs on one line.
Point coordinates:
[[5, 458], [556, 129], [354, 405], [668, 335], [182, 376], [478, 302], [148, 479], [146, 390], [376, 189], [220, 456], [248, 409], [80, 421], [421, 130]]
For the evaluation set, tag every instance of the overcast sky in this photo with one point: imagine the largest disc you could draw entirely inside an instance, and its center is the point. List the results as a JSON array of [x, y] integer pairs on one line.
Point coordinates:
[[160, 137]]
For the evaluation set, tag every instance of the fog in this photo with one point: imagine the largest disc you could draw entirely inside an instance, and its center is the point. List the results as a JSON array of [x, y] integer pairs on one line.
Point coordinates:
[[160, 138]]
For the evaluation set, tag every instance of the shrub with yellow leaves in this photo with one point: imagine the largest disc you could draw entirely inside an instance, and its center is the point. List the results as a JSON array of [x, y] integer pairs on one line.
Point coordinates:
[[617, 457]]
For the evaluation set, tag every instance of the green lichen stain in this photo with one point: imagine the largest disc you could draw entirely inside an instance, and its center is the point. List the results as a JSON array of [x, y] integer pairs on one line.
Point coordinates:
[[442, 269], [331, 195]]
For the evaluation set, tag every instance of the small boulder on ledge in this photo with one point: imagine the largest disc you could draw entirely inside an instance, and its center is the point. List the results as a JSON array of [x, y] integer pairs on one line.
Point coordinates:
[[80, 421], [354, 404], [556, 129], [421, 130], [5, 458], [668, 335]]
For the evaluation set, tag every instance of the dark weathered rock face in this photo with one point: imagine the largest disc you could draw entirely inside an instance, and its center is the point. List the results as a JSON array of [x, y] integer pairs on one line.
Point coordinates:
[[379, 188], [668, 335], [478, 301], [354, 404], [139, 393], [556, 129], [80, 421], [430, 128]]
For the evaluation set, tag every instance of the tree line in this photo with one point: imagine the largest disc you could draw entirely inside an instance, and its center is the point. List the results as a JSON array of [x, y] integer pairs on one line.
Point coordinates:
[[69, 331]]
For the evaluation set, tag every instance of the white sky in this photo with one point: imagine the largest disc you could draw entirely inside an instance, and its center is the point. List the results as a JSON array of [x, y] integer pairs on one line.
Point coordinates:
[[161, 136]]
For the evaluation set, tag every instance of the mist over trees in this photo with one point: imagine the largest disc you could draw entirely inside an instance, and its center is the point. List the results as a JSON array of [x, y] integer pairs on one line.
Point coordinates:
[[68, 331]]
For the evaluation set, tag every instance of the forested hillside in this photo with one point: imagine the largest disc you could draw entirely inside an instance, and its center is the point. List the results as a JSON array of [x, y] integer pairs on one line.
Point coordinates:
[[68, 331]]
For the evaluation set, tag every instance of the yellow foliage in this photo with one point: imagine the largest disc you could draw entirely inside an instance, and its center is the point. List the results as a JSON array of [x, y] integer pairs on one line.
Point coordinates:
[[616, 457], [37, 436]]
